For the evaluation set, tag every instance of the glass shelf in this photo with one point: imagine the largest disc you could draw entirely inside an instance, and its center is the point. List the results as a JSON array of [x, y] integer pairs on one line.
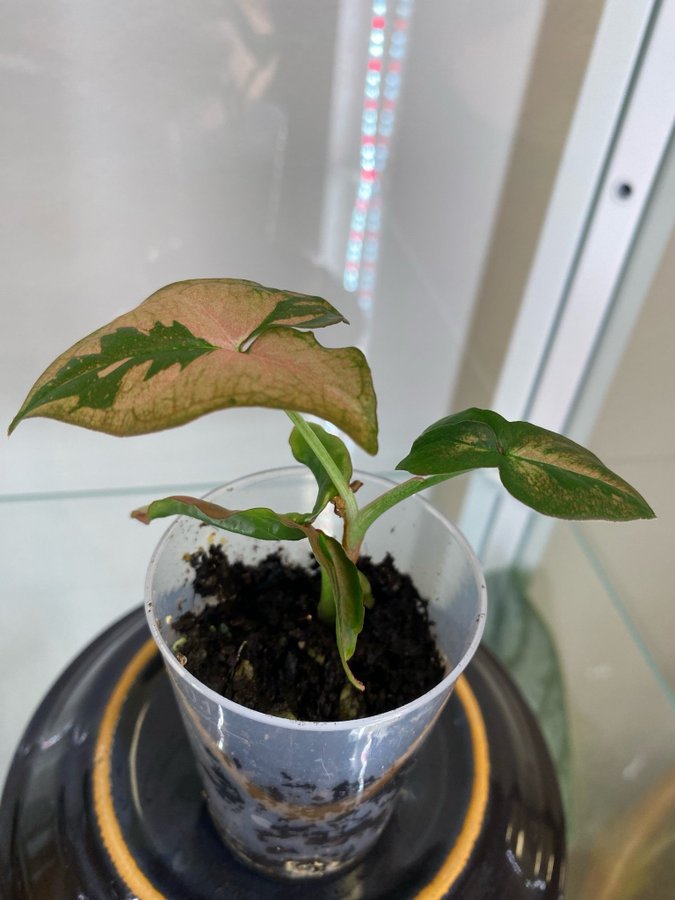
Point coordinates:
[[606, 710]]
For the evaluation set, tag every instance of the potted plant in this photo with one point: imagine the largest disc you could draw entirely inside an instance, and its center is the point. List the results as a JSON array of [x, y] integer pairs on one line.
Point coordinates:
[[291, 796]]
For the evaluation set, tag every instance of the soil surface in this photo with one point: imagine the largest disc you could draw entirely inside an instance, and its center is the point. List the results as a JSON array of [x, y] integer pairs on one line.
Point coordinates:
[[261, 644]]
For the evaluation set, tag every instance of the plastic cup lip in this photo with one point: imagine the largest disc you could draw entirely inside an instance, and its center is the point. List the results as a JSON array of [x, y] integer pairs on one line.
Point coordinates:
[[294, 725]]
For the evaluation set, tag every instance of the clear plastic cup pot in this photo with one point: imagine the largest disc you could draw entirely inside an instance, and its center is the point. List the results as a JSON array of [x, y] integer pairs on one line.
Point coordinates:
[[299, 799]]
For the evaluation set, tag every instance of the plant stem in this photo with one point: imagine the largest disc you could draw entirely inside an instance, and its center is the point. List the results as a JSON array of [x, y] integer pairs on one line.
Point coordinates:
[[381, 504], [351, 510]]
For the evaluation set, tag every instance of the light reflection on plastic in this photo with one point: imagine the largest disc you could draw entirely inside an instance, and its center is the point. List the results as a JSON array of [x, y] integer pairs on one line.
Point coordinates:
[[381, 93]]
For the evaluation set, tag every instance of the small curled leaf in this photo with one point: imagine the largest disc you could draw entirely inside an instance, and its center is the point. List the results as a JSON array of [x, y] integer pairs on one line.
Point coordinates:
[[305, 455], [261, 523]]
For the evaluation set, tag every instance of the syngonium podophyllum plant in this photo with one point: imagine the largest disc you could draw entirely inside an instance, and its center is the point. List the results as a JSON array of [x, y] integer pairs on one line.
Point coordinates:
[[198, 346]]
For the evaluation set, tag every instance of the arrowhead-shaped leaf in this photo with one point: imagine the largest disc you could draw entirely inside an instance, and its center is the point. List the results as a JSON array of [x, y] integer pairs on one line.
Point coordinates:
[[202, 345], [544, 470], [261, 523], [305, 455], [347, 591]]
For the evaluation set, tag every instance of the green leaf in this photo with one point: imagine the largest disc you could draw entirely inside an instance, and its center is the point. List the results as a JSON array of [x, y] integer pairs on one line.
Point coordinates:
[[458, 443], [326, 607], [180, 355], [542, 469], [299, 310], [261, 523], [345, 584], [305, 455]]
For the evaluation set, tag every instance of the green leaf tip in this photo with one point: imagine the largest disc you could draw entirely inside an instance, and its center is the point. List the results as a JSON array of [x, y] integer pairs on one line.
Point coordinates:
[[197, 346], [304, 311], [544, 470]]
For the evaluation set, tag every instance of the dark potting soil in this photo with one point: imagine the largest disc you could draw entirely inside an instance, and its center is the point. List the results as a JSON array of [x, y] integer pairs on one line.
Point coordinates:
[[262, 645]]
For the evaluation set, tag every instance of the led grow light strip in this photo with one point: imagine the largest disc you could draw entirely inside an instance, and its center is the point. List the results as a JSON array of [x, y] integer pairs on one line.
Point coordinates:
[[381, 95]]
